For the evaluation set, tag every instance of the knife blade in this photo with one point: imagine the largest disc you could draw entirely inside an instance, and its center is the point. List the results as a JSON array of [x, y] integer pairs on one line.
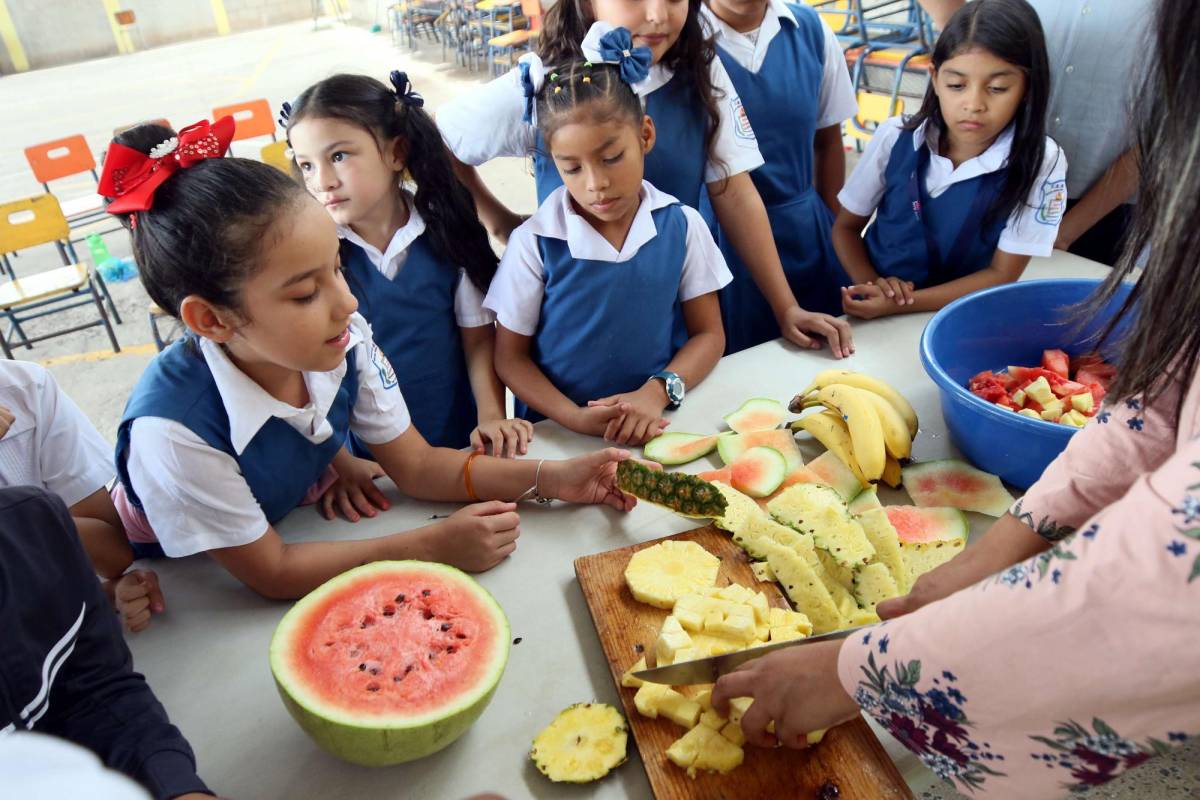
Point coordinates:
[[707, 670]]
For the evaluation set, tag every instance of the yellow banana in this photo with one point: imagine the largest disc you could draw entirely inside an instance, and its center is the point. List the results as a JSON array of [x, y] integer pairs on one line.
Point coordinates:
[[866, 432], [829, 429], [895, 432], [862, 381], [891, 473]]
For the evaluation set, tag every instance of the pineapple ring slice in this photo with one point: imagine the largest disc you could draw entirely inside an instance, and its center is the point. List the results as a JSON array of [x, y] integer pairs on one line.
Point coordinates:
[[661, 574], [583, 743]]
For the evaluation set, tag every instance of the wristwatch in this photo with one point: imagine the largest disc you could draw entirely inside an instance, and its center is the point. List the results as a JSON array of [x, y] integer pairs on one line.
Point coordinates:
[[674, 386]]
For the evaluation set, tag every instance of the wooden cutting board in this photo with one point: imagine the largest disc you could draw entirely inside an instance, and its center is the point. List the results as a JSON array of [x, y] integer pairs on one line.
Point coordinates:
[[850, 757]]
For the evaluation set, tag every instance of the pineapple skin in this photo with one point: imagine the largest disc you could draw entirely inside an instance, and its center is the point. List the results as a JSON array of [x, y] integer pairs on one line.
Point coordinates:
[[582, 744], [682, 493]]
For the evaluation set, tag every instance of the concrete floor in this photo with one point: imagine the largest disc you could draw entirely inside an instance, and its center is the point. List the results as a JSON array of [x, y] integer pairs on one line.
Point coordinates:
[[183, 83]]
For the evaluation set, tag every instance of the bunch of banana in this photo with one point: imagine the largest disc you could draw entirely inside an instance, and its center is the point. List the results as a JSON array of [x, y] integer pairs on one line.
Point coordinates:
[[866, 423]]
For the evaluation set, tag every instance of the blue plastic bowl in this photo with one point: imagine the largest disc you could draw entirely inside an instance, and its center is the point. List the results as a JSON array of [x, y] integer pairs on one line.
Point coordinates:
[[995, 328]]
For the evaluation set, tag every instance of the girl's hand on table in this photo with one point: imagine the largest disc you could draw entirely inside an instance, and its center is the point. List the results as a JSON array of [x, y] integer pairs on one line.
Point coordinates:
[[477, 537], [798, 327], [508, 437], [796, 688], [898, 289], [867, 301], [593, 420], [589, 479], [641, 414], [354, 493]]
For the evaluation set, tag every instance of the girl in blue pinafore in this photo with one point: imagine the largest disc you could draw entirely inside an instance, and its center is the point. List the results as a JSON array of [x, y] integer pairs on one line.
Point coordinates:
[[791, 76], [233, 426], [606, 297], [710, 149], [418, 263], [966, 191]]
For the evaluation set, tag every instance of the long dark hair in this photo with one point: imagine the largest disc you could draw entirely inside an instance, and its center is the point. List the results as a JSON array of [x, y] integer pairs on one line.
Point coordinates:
[[604, 96], [1163, 342], [205, 233], [1010, 30], [568, 21], [455, 233]]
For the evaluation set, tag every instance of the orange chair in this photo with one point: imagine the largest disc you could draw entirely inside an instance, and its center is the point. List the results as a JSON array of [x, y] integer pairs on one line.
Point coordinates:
[[62, 158], [254, 118]]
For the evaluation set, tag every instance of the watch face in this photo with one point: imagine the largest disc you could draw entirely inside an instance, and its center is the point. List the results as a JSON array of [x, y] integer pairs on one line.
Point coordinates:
[[675, 388]]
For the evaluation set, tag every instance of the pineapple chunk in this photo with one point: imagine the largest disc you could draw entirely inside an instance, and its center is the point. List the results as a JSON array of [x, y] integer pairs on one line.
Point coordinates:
[[922, 557], [737, 624], [1083, 402], [783, 618], [703, 696], [805, 588], [759, 605], [785, 634], [690, 610], [738, 707], [702, 748], [819, 511], [627, 679], [739, 510], [661, 574], [733, 732], [762, 571], [654, 700], [734, 593], [815, 737], [582, 744], [886, 542], [671, 637], [713, 720], [688, 654], [848, 607], [715, 645], [864, 616], [770, 530], [1052, 411], [1029, 412], [837, 579], [1018, 398], [1040, 391], [1073, 418], [648, 696], [874, 584]]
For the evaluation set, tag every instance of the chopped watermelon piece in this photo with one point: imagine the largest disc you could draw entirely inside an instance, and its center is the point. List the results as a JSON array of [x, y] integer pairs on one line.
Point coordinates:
[[1068, 388], [1090, 378], [1057, 361], [958, 485]]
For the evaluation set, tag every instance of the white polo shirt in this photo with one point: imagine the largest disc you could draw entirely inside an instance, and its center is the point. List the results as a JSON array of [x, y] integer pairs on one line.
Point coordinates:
[[836, 102], [488, 123], [517, 290], [194, 495], [51, 443], [468, 299], [1031, 228]]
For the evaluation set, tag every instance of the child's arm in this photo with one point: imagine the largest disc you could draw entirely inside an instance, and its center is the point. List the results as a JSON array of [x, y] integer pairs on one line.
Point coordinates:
[[494, 215], [103, 534], [528, 382], [508, 437], [354, 493], [1117, 185], [852, 252], [830, 159], [642, 409], [870, 301]]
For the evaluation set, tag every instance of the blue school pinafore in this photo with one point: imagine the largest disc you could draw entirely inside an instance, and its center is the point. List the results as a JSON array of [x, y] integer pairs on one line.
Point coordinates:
[[676, 163], [606, 326], [412, 320], [279, 464], [931, 240], [782, 100]]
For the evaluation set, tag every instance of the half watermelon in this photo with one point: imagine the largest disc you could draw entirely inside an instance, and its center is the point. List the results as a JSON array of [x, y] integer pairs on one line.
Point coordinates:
[[390, 661]]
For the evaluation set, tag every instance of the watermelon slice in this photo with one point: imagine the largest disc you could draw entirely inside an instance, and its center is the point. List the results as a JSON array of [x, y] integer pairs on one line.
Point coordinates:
[[731, 446], [757, 414], [675, 448], [867, 500], [1057, 361], [921, 525], [390, 661], [724, 475], [828, 470], [759, 471], [958, 485]]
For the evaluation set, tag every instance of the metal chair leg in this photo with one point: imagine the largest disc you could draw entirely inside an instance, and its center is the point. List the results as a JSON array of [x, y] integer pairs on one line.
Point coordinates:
[[112, 337], [17, 329], [108, 297]]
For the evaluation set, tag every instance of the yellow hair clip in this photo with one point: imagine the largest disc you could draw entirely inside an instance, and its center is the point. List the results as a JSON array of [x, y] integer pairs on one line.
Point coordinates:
[[557, 89], [587, 79]]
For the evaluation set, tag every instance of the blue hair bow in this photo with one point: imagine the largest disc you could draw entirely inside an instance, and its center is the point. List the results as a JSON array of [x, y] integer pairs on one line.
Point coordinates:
[[285, 111], [404, 89], [616, 47], [530, 93]]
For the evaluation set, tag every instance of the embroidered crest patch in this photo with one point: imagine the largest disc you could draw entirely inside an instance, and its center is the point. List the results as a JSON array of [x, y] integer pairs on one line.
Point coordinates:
[[741, 122], [1053, 202], [387, 375]]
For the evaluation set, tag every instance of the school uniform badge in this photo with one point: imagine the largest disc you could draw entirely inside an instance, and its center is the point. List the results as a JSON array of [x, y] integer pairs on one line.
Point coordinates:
[[741, 122], [1053, 202], [387, 374]]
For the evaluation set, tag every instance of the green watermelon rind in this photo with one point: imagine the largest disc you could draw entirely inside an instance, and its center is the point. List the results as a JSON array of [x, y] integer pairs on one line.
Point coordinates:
[[380, 741], [994, 501], [659, 448]]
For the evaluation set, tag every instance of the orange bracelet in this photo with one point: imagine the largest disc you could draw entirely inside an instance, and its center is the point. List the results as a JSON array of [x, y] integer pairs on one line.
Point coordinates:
[[467, 478]]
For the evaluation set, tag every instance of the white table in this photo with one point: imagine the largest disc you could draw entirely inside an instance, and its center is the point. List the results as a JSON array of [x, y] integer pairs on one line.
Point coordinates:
[[206, 657]]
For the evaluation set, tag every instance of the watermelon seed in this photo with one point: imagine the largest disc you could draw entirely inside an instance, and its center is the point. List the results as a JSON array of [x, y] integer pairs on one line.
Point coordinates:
[[425, 593], [389, 611], [639, 648], [445, 626], [409, 668], [451, 649], [400, 598], [329, 644], [372, 687], [362, 667], [428, 614], [398, 678], [517, 640], [460, 635]]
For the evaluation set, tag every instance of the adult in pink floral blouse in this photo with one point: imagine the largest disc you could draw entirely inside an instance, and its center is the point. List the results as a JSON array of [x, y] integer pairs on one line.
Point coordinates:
[[1063, 648]]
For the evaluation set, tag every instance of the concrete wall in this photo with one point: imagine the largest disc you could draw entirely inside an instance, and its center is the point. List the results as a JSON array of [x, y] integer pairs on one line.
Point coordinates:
[[56, 32]]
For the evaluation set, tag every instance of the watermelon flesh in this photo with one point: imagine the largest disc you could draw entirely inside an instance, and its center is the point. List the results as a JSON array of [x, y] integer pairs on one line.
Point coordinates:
[[731, 446], [920, 525], [958, 485], [390, 661], [827, 470], [671, 449], [759, 471], [1068, 378], [757, 414]]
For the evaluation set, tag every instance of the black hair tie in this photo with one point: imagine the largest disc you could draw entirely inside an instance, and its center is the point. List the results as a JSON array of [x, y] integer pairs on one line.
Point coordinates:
[[404, 89], [285, 112]]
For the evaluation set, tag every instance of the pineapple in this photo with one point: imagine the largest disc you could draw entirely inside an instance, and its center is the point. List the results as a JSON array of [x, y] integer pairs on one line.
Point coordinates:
[[704, 748], [874, 584], [805, 588], [736, 624], [886, 542], [648, 696], [738, 707], [921, 557], [733, 732], [818, 510], [864, 616], [582, 744], [739, 510], [627, 679], [654, 700], [660, 574], [815, 737], [672, 638], [682, 493], [711, 645], [785, 634], [712, 719], [762, 571]]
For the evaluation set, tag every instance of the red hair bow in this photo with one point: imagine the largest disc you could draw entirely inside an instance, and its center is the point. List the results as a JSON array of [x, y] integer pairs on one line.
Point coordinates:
[[131, 177]]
